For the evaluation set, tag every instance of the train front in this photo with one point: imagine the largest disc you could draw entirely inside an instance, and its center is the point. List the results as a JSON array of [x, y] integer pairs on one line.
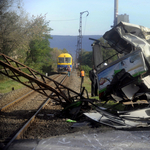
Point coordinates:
[[63, 61]]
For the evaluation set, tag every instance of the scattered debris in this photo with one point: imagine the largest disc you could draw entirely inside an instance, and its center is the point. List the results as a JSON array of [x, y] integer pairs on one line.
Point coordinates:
[[50, 115], [125, 81], [69, 120], [80, 124], [40, 115]]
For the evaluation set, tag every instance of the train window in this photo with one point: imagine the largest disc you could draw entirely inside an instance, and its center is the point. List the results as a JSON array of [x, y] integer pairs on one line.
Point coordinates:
[[61, 60], [67, 60]]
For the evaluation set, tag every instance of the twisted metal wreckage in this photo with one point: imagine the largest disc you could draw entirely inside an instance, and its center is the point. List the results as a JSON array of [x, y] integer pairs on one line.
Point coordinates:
[[126, 81]]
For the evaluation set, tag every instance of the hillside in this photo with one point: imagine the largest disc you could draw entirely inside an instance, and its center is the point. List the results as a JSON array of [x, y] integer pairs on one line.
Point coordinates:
[[70, 42]]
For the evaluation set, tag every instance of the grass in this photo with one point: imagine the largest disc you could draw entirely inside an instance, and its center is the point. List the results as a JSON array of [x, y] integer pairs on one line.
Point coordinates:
[[7, 85], [87, 84]]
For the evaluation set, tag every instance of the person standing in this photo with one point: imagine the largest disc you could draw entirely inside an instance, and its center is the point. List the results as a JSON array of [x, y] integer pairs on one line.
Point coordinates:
[[82, 74], [94, 86], [69, 70]]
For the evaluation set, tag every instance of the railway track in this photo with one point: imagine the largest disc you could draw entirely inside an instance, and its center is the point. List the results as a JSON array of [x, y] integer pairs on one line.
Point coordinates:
[[5, 105], [17, 116]]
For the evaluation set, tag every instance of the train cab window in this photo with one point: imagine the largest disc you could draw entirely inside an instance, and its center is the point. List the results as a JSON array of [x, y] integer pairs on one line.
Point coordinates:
[[67, 60], [61, 60]]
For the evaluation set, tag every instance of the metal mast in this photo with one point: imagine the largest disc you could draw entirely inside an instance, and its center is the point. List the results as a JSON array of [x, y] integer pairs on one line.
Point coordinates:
[[115, 12], [79, 39]]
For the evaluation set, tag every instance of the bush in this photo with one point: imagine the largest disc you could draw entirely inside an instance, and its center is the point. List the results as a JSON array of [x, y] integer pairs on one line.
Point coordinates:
[[86, 68]]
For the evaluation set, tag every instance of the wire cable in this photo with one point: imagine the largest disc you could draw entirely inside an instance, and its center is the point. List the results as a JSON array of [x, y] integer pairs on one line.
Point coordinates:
[[67, 19], [85, 25]]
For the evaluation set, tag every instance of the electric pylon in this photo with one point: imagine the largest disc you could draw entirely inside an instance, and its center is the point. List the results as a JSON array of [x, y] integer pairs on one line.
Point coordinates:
[[79, 38]]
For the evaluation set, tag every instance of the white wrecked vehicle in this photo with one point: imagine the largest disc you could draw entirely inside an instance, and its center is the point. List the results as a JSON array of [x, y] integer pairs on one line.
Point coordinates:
[[126, 81]]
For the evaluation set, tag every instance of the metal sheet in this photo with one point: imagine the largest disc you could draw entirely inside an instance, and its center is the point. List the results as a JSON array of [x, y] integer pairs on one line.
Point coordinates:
[[141, 113], [130, 90], [132, 63], [126, 38], [146, 81]]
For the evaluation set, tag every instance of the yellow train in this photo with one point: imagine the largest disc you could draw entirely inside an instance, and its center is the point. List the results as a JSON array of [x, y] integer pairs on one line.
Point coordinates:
[[64, 60]]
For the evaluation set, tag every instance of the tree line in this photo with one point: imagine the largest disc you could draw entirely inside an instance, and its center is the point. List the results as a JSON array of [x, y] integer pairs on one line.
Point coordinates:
[[85, 58], [26, 39]]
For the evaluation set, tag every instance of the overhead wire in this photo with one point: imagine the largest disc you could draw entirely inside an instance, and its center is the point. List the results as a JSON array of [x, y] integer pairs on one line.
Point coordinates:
[[85, 25], [66, 20]]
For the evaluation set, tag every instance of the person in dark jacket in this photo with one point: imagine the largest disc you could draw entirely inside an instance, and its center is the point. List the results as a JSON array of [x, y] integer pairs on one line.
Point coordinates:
[[94, 86]]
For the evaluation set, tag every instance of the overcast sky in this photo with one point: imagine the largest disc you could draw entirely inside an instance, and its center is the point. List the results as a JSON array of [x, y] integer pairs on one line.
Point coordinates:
[[64, 15]]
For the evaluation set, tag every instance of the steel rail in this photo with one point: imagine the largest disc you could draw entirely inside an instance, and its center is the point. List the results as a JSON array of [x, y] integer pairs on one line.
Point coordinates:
[[19, 99], [19, 134]]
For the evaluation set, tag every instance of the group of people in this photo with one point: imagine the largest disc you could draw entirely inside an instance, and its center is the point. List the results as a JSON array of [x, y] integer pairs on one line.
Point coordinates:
[[93, 78], [82, 74]]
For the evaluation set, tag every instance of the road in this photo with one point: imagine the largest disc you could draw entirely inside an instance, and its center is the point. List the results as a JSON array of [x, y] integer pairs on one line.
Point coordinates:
[[94, 139]]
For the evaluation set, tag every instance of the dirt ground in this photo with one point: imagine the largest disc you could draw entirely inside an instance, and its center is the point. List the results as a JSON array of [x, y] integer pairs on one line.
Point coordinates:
[[50, 121]]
